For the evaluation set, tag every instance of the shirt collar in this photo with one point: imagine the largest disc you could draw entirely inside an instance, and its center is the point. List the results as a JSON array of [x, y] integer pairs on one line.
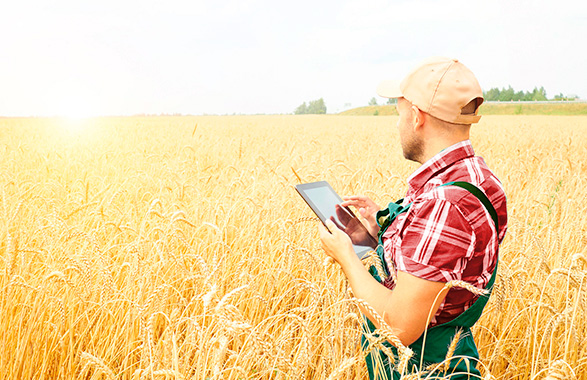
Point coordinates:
[[441, 160]]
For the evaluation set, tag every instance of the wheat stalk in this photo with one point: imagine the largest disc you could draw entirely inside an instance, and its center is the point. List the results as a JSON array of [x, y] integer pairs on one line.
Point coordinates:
[[98, 364], [342, 368], [451, 349]]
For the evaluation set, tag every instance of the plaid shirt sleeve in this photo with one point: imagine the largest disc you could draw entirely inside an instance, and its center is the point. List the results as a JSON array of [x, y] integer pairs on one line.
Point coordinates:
[[436, 241]]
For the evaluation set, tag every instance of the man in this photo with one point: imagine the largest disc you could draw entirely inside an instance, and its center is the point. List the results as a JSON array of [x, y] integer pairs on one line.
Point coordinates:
[[436, 235]]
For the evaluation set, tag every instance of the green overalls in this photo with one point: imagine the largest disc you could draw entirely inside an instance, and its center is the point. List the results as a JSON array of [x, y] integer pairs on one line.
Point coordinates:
[[433, 349]]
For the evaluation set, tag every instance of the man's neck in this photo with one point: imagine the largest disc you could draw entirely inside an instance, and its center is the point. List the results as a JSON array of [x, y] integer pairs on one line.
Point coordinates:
[[436, 146]]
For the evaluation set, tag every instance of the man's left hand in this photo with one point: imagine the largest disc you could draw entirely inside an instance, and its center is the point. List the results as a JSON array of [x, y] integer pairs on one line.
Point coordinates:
[[336, 243]]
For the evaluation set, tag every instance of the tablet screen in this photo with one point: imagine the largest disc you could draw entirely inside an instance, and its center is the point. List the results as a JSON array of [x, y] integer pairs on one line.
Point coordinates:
[[323, 200]]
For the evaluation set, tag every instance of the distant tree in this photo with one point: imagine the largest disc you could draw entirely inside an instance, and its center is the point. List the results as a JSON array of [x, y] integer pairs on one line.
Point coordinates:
[[392, 101], [518, 96], [317, 107], [492, 94], [313, 107], [302, 109], [539, 94], [527, 96], [373, 101], [506, 94]]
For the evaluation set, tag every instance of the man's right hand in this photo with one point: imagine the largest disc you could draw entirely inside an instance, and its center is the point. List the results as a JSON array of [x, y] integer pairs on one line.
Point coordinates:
[[367, 209], [352, 226]]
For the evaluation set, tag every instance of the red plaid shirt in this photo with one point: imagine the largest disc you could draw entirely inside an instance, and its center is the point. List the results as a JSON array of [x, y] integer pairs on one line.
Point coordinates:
[[447, 234]]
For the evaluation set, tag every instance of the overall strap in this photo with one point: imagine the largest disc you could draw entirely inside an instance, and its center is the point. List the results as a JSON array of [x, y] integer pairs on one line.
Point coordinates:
[[384, 219], [387, 215]]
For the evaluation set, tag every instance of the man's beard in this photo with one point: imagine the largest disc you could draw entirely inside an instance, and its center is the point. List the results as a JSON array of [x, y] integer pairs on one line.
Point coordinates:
[[413, 149]]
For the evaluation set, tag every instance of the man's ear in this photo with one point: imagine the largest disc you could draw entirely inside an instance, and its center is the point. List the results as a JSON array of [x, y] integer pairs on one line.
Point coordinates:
[[419, 116]]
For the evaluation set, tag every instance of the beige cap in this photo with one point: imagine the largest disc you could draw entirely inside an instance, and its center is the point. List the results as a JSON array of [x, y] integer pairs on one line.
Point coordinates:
[[440, 87]]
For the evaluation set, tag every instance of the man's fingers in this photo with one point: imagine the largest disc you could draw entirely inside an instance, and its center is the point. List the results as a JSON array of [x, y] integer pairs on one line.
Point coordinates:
[[351, 202], [364, 213], [330, 224], [322, 230], [359, 201], [332, 227], [355, 198]]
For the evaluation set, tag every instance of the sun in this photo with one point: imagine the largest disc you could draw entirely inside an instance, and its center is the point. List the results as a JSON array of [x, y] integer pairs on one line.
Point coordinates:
[[76, 112]]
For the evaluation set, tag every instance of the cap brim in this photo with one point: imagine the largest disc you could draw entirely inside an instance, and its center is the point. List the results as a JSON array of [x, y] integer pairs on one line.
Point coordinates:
[[389, 89]]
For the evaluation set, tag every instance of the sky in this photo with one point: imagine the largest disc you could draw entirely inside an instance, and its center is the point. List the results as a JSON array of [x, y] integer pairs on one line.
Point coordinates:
[[116, 57]]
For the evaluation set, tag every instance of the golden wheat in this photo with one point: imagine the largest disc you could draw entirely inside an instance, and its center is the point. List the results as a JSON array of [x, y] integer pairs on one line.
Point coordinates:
[[176, 248]]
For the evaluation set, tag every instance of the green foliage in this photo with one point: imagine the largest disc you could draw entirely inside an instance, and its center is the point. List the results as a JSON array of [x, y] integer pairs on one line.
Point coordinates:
[[563, 97], [492, 94], [539, 94], [508, 94], [373, 101], [314, 107], [301, 110]]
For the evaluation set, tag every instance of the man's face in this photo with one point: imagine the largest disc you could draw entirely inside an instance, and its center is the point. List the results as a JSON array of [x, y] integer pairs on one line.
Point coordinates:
[[412, 144]]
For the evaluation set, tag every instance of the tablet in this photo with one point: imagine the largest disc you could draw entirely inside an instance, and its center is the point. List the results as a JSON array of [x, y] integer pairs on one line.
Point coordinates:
[[325, 203]]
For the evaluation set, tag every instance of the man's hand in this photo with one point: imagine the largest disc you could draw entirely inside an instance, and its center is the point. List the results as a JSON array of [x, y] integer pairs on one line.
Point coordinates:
[[336, 243], [367, 209], [352, 226]]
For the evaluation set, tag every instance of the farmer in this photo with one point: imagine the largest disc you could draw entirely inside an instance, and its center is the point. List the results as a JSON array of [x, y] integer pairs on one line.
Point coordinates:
[[447, 227]]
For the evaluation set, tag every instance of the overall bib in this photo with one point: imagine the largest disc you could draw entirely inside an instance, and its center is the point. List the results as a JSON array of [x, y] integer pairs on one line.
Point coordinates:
[[431, 348]]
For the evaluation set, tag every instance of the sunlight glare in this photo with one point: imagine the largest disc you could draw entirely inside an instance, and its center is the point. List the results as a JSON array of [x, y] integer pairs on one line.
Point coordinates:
[[76, 113]]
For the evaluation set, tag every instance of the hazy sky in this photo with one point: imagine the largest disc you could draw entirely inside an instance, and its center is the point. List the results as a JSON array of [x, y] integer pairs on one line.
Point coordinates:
[[107, 57]]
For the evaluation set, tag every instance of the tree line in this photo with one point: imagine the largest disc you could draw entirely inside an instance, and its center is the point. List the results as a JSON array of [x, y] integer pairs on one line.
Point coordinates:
[[509, 94], [506, 95], [494, 94]]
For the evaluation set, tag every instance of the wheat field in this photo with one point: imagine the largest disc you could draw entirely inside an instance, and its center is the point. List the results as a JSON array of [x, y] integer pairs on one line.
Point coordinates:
[[177, 248]]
